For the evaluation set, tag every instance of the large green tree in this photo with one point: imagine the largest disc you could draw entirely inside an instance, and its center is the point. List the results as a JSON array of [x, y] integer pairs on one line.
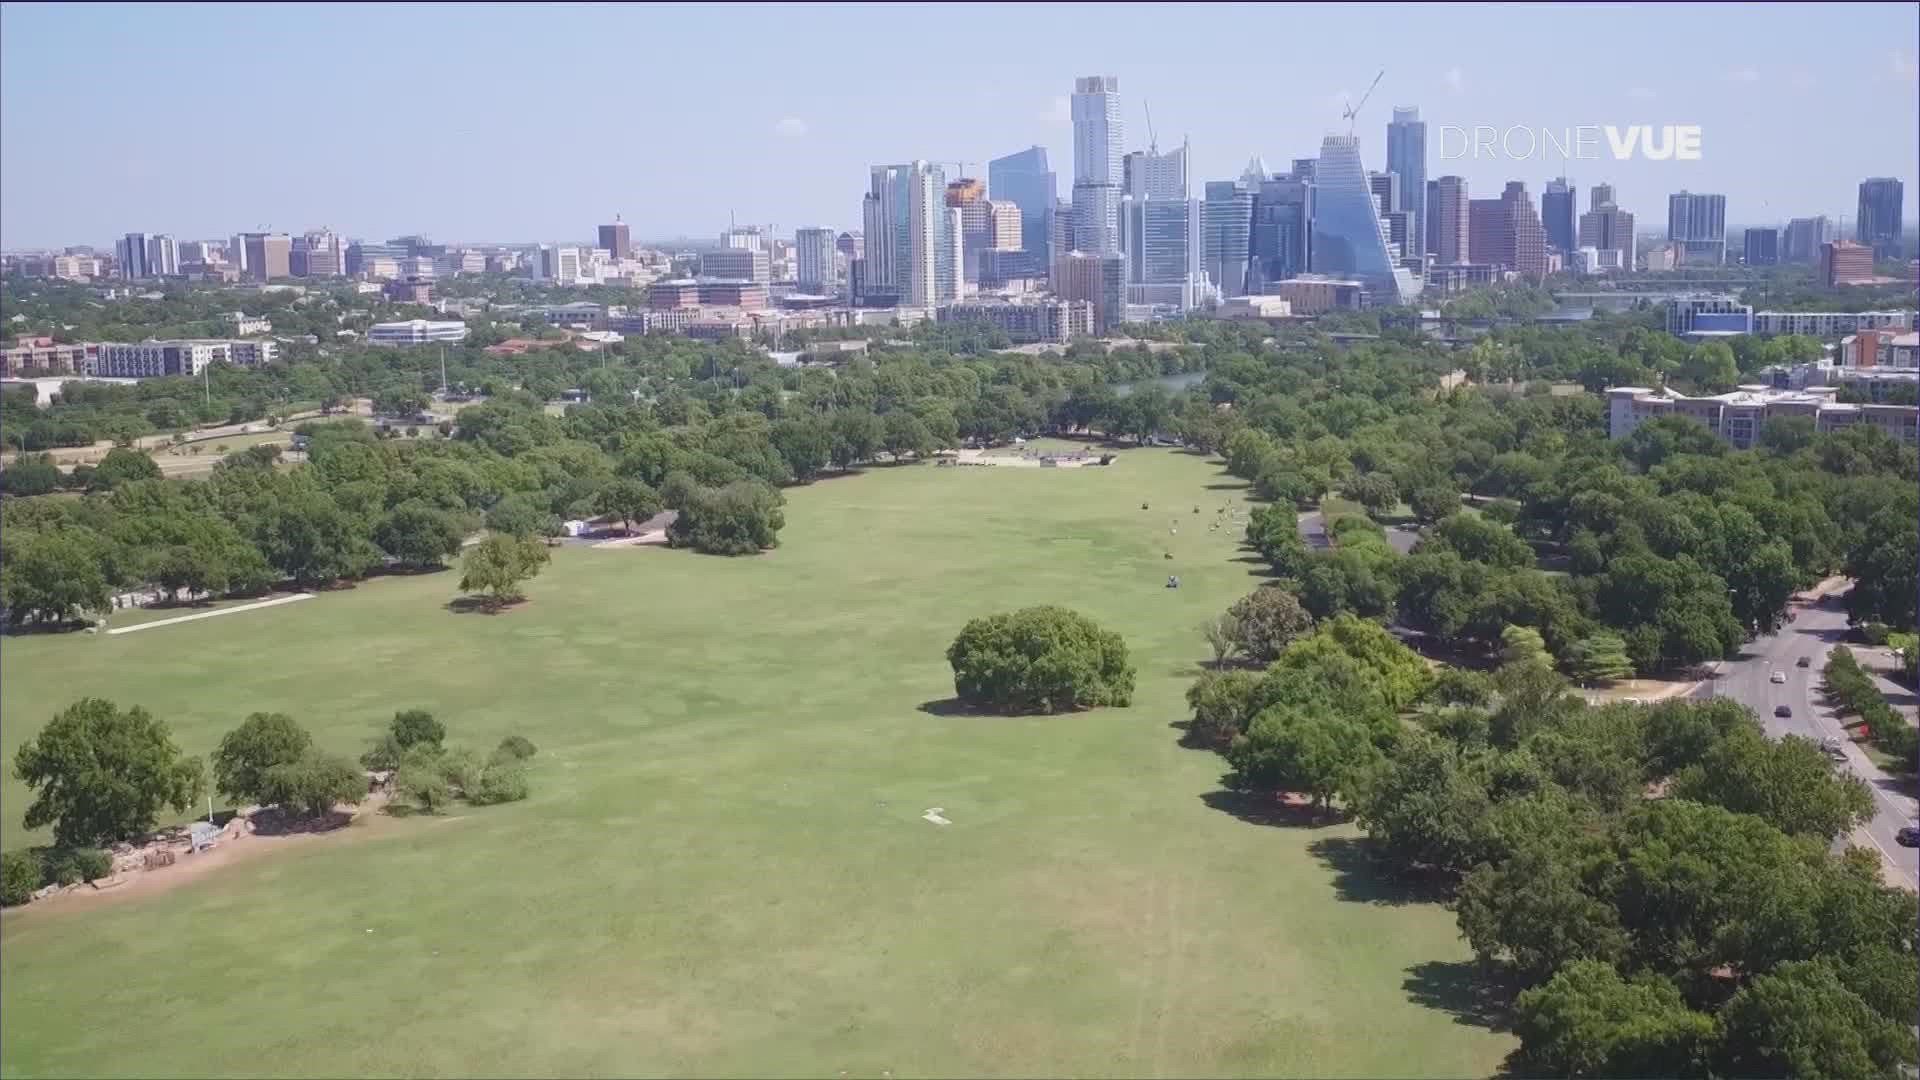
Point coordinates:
[[1039, 660], [497, 566], [101, 773], [247, 754]]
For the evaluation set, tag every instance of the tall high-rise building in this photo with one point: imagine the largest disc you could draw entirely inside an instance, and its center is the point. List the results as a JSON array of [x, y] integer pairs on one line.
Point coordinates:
[[814, 257], [1447, 235], [1606, 227], [1161, 229], [616, 240], [1507, 232], [1556, 215], [317, 254], [1226, 222], [1804, 238], [1760, 247], [163, 256], [268, 255], [1349, 237], [1153, 175], [950, 235], [130, 256], [969, 196], [1004, 227], [1697, 228], [1100, 280], [1407, 159], [1097, 139], [906, 223], [1878, 224], [1280, 239], [1024, 179]]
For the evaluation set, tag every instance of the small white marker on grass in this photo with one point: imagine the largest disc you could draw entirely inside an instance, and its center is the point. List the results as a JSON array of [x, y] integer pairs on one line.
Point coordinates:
[[936, 814]]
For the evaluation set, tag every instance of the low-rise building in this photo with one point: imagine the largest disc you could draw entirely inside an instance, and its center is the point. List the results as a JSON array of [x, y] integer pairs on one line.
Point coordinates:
[[1459, 277], [1316, 294], [1738, 416], [416, 332], [1255, 307], [1829, 324], [1843, 262], [1708, 315], [244, 324], [1026, 321], [43, 354], [152, 359], [410, 291]]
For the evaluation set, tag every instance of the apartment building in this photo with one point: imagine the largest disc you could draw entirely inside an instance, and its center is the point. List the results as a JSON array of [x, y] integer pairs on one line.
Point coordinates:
[[1738, 416], [43, 354], [1026, 321], [153, 359]]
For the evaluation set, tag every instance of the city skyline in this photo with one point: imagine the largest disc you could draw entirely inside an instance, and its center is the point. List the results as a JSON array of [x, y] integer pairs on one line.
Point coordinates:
[[137, 163]]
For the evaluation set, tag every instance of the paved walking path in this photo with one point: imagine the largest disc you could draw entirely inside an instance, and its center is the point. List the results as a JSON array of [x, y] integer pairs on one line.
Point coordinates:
[[237, 608]]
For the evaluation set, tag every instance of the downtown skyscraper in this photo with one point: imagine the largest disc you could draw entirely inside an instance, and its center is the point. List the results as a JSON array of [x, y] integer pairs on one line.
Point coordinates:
[[1026, 180], [1878, 225], [1349, 236], [904, 215], [1407, 159], [1097, 154], [1557, 217], [1697, 228]]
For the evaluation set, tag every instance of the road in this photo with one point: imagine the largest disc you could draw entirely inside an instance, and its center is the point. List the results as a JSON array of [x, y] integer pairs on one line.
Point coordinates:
[[1313, 529], [1820, 625]]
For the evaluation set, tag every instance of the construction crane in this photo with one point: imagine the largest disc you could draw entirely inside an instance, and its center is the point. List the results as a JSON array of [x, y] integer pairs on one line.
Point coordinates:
[[1153, 144], [1353, 110]]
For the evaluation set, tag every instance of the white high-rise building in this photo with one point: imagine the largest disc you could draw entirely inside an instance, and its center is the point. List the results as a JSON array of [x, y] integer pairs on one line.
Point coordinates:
[[1097, 140], [905, 217], [814, 261], [560, 264], [952, 284], [163, 256]]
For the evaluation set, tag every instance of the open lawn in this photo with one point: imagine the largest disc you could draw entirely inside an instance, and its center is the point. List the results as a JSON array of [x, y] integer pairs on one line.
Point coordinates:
[[723, 869]]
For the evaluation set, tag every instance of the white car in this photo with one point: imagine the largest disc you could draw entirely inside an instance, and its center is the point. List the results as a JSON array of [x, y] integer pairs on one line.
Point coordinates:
[[1779, 676]]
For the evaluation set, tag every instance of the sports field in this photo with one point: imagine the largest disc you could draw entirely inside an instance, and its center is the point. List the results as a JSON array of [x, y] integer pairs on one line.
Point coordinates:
[[723, 869]]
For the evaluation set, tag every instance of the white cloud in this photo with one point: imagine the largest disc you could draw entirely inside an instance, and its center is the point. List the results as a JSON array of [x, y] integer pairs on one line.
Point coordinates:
[[1801, 80], [1744, 74], [1641, 93], [1904, 67], [790, 127], [1058, 112], [1456, 80]]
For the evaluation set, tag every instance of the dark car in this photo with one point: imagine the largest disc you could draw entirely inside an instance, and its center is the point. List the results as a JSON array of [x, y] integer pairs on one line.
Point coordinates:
[[1805, 661], [1782, 710], [1908, 837]]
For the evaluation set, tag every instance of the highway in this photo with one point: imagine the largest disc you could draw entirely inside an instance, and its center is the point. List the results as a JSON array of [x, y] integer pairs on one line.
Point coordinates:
[[1820, 625]]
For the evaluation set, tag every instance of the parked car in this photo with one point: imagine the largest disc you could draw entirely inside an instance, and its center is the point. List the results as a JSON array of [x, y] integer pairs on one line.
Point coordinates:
[[1908, 837], [1782, 710], [1833, 749], [1778, 676]]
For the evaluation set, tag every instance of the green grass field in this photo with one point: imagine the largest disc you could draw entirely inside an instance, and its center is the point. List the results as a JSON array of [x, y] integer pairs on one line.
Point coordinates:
[[723, 869]]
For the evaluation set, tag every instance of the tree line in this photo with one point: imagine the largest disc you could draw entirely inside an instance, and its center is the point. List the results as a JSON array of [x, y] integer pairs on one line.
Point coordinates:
[[102, 774], [1649, 891]]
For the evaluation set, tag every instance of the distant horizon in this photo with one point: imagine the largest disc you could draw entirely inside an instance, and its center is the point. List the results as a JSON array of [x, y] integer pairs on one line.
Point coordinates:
[[676, 149]]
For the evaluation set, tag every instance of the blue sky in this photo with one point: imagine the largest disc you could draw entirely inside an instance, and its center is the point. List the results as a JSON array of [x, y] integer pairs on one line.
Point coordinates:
[[485, 122]]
